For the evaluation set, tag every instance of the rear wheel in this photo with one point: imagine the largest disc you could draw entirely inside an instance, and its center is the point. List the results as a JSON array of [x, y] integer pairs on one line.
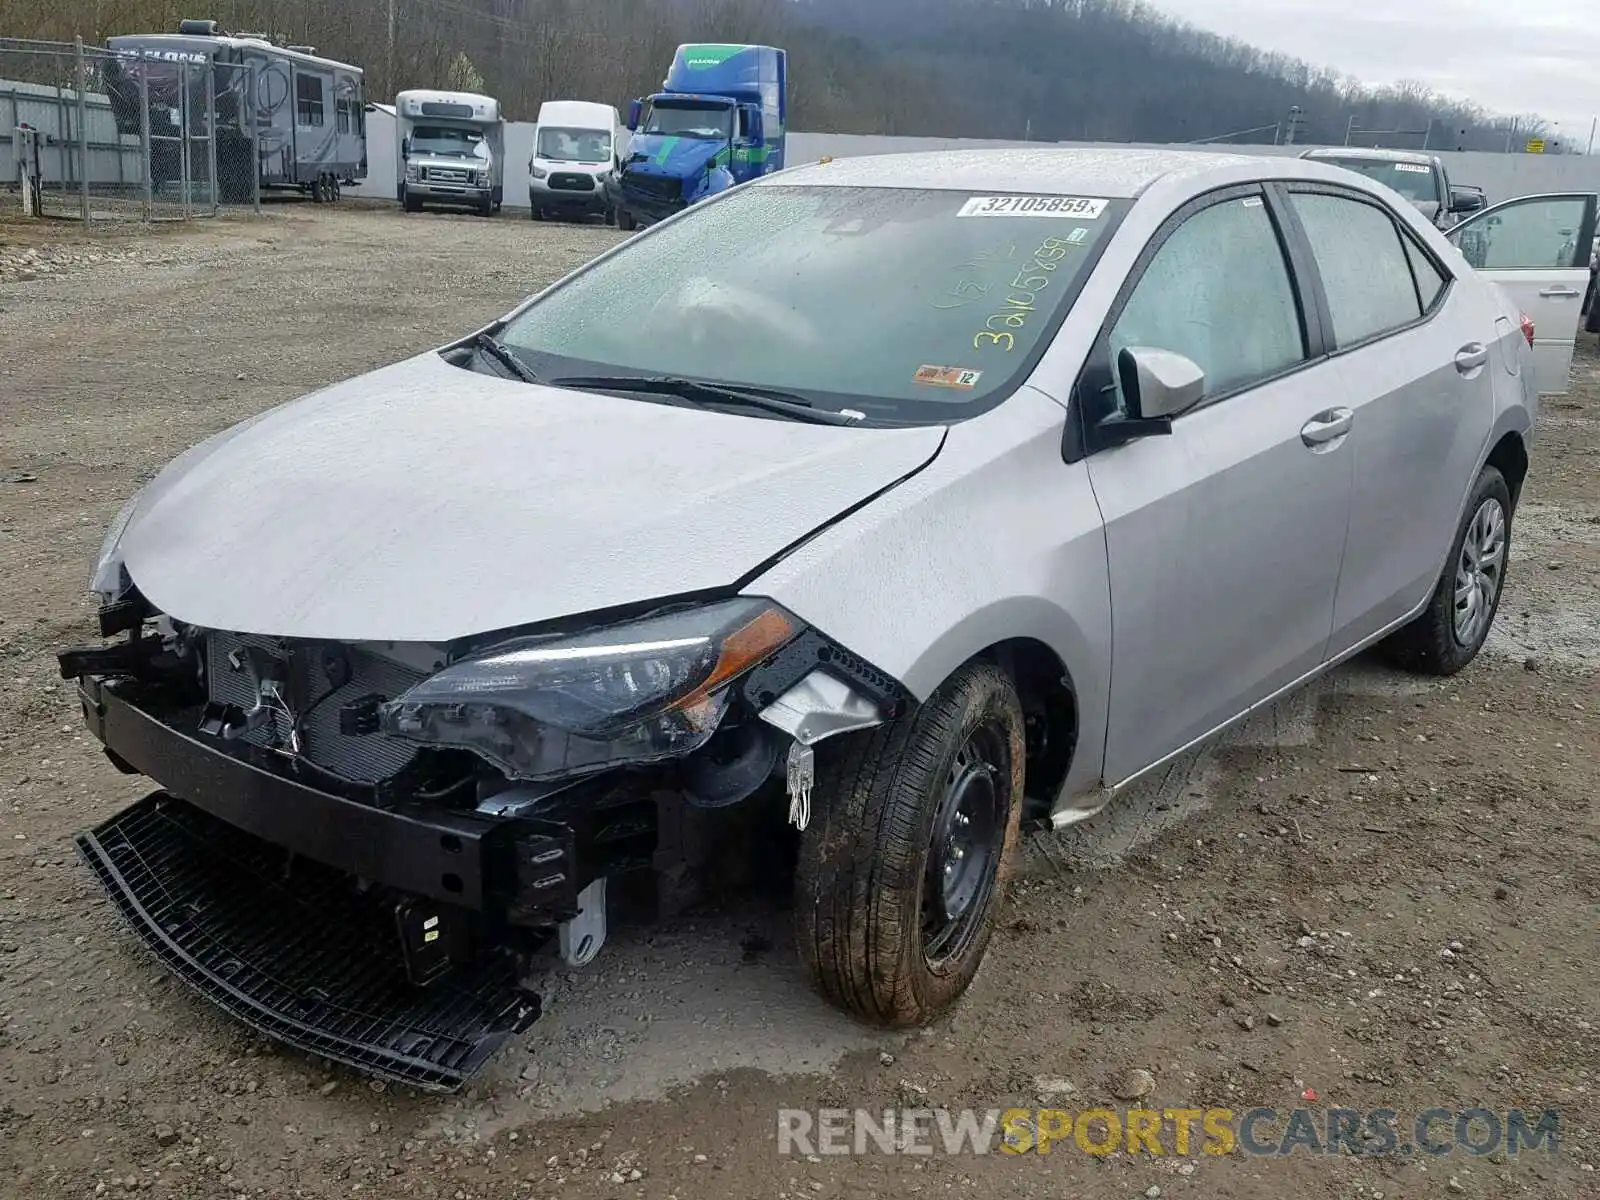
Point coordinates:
[[1452, 629], [316, 190], [902, 871]]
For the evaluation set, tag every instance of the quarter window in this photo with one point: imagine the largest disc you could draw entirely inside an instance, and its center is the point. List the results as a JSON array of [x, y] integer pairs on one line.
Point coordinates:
[[1364, 268], [1218, 292], [1429, 282]]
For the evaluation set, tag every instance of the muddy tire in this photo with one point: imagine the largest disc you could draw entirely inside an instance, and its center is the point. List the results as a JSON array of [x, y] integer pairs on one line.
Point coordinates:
[[1451, 630], [902, 870]]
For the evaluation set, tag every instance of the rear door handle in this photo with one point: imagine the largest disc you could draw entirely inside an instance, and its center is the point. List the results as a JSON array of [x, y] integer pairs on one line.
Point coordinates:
[[1559, 291], [1327, 426], [1471, 356]]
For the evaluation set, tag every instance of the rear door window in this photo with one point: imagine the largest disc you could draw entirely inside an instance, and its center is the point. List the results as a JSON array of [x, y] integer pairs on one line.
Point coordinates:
[[1365, 270]]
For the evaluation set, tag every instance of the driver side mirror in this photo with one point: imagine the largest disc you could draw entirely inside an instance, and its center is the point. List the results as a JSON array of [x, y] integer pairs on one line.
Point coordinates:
[[635, 110], [1157, 385], [1465, 200], [405, 147], [755, 131]]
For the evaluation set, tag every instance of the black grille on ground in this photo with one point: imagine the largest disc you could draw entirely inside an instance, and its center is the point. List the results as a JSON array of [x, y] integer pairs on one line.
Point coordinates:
[[569, 181], [363, 759], [306, 960]]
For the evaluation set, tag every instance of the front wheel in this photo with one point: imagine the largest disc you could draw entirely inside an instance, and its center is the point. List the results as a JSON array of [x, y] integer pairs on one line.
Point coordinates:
[[902, 871], [1451, 630], [625, 221]]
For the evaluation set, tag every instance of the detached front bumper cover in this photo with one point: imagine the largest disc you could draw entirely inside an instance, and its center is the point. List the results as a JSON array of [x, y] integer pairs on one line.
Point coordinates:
[[310, 961]]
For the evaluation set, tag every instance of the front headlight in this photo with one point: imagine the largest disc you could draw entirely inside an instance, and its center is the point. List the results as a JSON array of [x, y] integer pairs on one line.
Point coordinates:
[[413, 173], [538, 172], [108, 578], [543, 708]]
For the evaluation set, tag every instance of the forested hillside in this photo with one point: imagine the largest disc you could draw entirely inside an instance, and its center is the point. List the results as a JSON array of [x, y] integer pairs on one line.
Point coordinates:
[[1044, 69]]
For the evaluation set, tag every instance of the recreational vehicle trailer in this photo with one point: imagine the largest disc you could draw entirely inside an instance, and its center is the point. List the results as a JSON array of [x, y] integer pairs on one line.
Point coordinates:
[[305, 114], [452, 150]]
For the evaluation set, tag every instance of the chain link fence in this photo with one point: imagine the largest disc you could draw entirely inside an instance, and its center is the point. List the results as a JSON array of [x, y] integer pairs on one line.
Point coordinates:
[[91, 135]]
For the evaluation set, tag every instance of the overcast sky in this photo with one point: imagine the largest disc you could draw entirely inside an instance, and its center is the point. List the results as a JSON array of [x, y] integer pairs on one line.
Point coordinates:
[[1511, 56]]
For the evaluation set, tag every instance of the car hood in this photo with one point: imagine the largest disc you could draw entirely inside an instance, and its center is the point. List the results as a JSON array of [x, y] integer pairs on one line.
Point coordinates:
[[424, 502]]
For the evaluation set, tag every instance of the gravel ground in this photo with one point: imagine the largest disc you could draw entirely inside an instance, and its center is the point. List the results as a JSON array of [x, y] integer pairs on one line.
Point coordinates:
[[1385, 891]]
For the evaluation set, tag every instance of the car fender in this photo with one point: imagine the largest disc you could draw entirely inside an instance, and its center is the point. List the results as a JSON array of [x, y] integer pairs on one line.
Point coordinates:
[[997, 539]]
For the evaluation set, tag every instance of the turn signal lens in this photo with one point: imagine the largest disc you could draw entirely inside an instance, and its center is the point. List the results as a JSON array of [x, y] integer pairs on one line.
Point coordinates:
[[1527, 329]]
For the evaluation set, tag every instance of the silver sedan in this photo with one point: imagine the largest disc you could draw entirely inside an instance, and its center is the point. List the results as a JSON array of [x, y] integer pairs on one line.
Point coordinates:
[[904, 499]]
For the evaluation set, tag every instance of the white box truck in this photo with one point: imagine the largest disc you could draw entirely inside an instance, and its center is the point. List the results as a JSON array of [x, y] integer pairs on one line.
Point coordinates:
[[452, 150]]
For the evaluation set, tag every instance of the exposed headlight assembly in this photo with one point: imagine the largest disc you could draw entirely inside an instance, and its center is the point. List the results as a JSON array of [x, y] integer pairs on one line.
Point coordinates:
[[538, 172], [108, 579], [545, 708]]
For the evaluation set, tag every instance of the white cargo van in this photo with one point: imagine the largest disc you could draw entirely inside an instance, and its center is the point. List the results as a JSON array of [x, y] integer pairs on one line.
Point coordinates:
[[574, 160]]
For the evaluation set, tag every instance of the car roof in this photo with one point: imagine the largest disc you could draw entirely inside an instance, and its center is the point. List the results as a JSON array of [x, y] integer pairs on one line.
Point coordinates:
[[1113, 174], [1374, 154]]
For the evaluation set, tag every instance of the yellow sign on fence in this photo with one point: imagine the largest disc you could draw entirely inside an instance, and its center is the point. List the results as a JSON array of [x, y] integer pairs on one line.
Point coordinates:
[[1536, 146]]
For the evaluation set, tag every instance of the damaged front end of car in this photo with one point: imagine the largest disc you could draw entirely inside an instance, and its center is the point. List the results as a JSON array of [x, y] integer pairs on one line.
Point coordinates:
[[362, 848]]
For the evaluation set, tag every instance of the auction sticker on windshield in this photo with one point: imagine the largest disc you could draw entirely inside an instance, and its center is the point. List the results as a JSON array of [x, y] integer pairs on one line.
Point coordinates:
[[1082, 208], [953, 377], [1414, 168]]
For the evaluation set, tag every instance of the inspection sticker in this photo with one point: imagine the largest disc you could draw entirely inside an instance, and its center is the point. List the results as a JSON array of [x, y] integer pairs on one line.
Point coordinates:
[[1033, 206], [1414, 168], [952, 377]]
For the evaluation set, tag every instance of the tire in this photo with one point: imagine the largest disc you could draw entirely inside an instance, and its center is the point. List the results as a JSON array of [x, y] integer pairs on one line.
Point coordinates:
[[410, 203], [625, 221], [533, 211], [865, 902], [336, 187], [316, 190], [610, 217], [1437, 643]]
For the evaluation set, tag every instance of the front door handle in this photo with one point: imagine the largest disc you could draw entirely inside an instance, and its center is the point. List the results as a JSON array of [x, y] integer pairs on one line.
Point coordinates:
[[1471, 356], [1327, 426], [1559, 291]]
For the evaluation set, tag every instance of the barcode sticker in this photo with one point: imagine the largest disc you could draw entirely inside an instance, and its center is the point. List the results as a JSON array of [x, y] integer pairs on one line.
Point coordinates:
[[1081, 207]]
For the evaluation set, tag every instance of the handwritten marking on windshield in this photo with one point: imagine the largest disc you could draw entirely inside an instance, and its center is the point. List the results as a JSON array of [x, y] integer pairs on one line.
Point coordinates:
[[967, 290], [1024, 288]]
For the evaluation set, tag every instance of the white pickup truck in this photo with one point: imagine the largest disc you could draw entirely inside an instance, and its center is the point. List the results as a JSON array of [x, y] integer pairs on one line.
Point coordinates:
[[1420, 178]]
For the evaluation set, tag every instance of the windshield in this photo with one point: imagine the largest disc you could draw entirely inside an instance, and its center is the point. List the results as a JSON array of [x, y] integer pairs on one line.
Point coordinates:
[[1414, 181], [448, 141], [903, 304], [682, 120], [560, 144]]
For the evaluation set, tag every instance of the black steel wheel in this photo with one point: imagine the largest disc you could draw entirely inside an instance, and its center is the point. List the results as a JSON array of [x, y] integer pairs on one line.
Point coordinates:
[[901, 873]]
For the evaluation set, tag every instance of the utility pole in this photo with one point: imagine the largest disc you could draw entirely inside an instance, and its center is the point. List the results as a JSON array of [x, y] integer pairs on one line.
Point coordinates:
[[1593, 125], [1296, 114], [392, 88]]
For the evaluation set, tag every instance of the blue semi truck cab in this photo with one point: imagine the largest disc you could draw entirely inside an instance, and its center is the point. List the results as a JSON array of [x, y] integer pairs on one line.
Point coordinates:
[[717, 121]]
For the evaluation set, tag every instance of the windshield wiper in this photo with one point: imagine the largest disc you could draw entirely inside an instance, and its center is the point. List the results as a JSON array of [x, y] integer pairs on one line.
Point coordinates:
[[785, 404], [505, 356]]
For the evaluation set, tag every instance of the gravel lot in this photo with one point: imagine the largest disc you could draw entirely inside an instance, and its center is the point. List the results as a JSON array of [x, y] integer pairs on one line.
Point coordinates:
[[1386, 891]]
